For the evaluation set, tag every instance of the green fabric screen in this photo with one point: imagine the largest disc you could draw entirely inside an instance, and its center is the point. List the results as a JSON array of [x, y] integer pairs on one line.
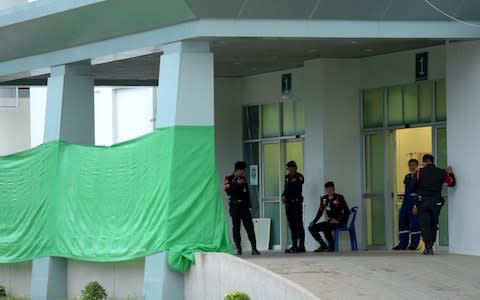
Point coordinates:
[[156, 193]]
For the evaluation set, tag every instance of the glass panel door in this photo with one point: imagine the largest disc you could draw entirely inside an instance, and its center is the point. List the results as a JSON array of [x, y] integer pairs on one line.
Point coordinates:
[[375, 189], [271, 188]]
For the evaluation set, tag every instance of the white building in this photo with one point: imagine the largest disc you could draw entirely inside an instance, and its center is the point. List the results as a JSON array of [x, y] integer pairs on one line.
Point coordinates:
[[349, 89]]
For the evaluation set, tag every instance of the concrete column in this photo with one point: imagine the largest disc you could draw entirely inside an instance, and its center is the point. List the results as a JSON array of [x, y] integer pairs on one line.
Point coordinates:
[[184, 97], [463, 125], [332, 135], [69, 117]]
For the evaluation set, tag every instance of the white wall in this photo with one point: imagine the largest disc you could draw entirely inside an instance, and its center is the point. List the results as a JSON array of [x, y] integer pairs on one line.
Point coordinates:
[[332, 138], [463, 110], [121, 280], [16, 278], [14, 125], [38, 106], [215, 274], [399, 68]]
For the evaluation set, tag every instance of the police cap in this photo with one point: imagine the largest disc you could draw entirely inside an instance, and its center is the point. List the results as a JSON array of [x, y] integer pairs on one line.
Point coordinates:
[[291, 164]]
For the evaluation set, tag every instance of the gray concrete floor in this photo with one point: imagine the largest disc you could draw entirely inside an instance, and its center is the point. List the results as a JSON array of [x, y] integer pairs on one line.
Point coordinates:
[[378, 274]]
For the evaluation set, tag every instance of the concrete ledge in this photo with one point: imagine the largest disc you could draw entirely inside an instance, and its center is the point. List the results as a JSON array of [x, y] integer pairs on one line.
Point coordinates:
[[216, 274]]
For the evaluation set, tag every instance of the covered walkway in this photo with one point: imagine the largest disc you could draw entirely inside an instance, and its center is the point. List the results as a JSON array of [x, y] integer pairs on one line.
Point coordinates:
[[378, 274]]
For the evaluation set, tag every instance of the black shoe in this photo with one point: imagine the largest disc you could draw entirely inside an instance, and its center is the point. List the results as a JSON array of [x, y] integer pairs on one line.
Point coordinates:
[[255, 252], [292, 249], [397, 247], [321, 249], [239, 252], [412, 248], [301, 249], [428, 252]]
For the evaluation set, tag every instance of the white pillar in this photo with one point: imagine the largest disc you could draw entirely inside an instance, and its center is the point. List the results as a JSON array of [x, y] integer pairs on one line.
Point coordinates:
[[69, 117], [463, 126], [184, 97]]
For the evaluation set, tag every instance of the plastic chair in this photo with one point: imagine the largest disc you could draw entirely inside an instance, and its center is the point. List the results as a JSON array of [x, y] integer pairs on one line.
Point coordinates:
[[350, 228]]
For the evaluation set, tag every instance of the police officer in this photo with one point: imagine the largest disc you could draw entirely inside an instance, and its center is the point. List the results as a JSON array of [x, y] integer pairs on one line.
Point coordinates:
[[293, 200], [428, 187], [236, 187], [407, 222], [337, 216]]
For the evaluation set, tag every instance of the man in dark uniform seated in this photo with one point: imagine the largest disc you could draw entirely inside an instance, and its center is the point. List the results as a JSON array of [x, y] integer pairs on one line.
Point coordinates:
[[236, 187], [428, 188], [337, 215]]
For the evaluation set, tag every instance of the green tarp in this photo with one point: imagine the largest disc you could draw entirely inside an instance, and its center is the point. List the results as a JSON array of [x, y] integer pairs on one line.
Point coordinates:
[[159, 192]]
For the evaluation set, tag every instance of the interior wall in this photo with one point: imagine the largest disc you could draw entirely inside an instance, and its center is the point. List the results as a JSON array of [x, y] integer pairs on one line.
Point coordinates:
[[16, 278], [463, 107]]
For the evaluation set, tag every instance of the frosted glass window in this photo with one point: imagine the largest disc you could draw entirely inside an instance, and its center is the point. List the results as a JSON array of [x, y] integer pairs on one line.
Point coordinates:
[[288, 109], [410, 104], [395, 106], [440, 101], [373, 108], [251, 123], [271, 155], [271, 120], [425, 101]]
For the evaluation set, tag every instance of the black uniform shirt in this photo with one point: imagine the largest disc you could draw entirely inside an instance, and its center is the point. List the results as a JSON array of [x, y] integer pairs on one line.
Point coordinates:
[[293, 187], [336, 208], [238, 192], [430, 179]]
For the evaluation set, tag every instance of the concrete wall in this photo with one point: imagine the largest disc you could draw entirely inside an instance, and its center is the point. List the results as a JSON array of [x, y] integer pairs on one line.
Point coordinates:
[[216, 274], [16, 278], [463, 110], [121, 280]]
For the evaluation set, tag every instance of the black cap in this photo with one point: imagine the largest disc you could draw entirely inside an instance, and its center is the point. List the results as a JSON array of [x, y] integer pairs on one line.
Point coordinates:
[[291, 164]]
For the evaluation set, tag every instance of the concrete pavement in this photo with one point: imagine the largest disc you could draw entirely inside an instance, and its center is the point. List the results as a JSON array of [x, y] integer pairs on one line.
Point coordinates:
[[378, 274]]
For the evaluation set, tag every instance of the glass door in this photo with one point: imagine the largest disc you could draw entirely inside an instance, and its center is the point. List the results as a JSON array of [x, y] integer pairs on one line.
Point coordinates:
[[275, 155], [378, 189]]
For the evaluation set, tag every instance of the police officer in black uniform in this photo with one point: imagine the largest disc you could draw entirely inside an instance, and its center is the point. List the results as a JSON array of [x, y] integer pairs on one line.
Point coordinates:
[[293, 200], [428, 187], [337, 215], [236, 187]]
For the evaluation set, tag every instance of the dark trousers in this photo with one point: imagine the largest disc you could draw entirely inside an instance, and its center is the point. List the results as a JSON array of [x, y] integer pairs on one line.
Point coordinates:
[[327, 229], [408, 224], [294, 213], [241, 213], [428, 214]]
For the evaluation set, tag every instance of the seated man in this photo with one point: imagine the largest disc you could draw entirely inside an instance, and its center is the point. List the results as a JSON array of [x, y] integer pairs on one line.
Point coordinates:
[[337, 216]]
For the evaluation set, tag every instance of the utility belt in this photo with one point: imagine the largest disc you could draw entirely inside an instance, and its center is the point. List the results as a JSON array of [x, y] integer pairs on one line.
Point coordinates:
[[294, 200], [238, 201], [438, 200]]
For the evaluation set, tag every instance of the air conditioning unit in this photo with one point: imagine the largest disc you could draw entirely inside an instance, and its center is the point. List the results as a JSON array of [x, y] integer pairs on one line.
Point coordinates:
[[262, 233]]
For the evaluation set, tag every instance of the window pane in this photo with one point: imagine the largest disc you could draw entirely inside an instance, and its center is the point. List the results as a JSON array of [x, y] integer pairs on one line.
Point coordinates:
[[294, 151], [395, 106], [410, 104], [440, 101], [271, 120], [299, 117], [250, 122], [272, 211], [250, 153], [373, 108], [425, 101], [271, 172], [288, 109]]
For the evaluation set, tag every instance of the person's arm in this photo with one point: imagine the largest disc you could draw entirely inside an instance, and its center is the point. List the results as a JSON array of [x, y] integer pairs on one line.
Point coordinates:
[[450, 177], [227, 185], [345, 211], [249, 203], [319, 212]]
